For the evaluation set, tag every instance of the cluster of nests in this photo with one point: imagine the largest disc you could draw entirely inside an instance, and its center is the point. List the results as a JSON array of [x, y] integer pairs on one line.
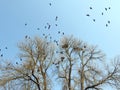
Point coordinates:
[[75, 48], [63, 58]]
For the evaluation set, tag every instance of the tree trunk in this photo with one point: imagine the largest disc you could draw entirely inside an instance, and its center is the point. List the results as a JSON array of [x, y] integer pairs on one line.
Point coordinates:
[[82, 80], [44, 82], [69, 82]]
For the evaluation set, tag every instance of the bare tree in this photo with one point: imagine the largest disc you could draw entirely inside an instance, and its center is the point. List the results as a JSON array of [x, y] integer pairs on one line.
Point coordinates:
[[36, 55], [79, 66], [82, 67]]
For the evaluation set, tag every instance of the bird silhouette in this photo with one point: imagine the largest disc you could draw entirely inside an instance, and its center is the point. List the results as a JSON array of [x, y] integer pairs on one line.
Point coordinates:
[[25, 24], [102, 13], [88, 15], [49, 26], [90, 7], [56, 18], [106, 9], [6, 48], [45, 27], [63, 33], [20, 59], [106, 25], [94, 20], [109, 22], [50, 4], [56, 25], [0, 49], [16, 62], [26, 36], [50, 37], [38, 28], [1, 55], [58, 32], [109, 7]]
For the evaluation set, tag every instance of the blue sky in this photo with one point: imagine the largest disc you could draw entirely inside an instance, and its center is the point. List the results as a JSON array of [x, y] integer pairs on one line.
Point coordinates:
[[72, 19]]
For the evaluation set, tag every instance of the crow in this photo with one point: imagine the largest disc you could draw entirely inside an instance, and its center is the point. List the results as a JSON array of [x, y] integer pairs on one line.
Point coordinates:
[[109, 22], [87, 15], [56, 18], [106, 9], [94, 20], [106, 25], [102, 13], [50, 4], [90, 7], [25, 24]]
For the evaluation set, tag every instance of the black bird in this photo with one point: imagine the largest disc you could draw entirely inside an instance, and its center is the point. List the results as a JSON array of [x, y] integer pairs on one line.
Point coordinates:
[[49, 26], [94, 20], [16, 62], [109, 22], [106, 25], [20, 59], [87, 14], [63, 33], [43, 34], [25, 24], [58, 32], [38, 28], [26, 36], [56, 25], [1, 55], [90, 7], [45, 27], [50, 4], [102, 13], [6, 48], [56, 18], [0, 49], [50, 37], [106, 9], [109, 8]]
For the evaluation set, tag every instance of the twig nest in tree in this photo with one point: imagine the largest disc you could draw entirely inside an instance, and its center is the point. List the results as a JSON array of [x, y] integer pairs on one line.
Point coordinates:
[[76, 48], [62, 58], [65, 46]]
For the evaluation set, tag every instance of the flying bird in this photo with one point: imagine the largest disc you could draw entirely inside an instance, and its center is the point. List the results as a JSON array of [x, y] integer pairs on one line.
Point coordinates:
[[56, 25], [50, 4], [25, 24], [90, 7], [6, 48], [49, 26], [20, 59], [26, 36], [45, 27], [106, 9], [94, 20], [102, 13], [38, 28], [109, 22], [56, 18], [87, 14], [109, 8], [106, 25], [16, 62], [1, 55], [58, 32]]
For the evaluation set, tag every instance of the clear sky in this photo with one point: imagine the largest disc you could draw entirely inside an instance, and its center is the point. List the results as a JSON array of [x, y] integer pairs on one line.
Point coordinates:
[[72, 19]]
